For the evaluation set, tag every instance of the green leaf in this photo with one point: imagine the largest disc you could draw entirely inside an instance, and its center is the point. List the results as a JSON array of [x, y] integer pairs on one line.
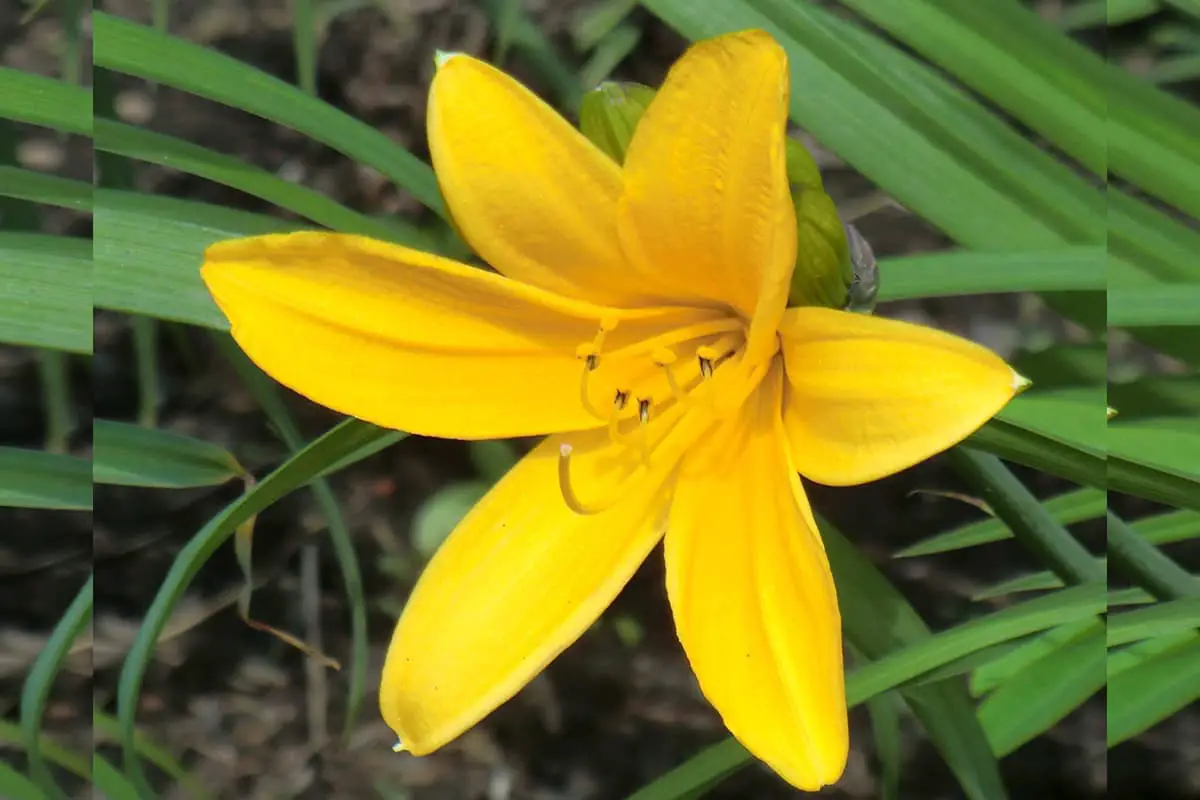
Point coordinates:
[[45, 291], [1164, 396], [12, 735], [441, 512], [1038, 697], [1141, 696], [1152, 307], [1066, 269], [106, 727], [130, 455], [15, 786], [135, 49], [1029, 521], [155, 148], [1031, 582], [1064, 365], [1145, 566], [1015, 441], [110, 783], [995, 49], [40, 680], [536, 50], [1104, 13], [342, 445], [1016, 660], [1068, 508], [147, 252], [1158, 459], [51, 190], [1173, 526], [34, 479], [267, 392], [1160, 619], [30, 98], [1121, 659], [885, 711]]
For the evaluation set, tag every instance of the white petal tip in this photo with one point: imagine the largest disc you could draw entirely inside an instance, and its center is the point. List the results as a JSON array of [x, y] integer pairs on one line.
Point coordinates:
[[1112, 412], [440, 57], [398, 747], [1020, 383]]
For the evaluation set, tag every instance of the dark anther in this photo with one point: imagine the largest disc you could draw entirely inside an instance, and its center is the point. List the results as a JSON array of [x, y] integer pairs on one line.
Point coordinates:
[[621, 399], [644, 410]]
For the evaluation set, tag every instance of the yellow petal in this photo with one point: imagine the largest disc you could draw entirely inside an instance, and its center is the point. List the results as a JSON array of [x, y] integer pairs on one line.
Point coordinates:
[[532, 196], [867, 397], [517, 582], [411, 341], [753, 597], [706, 209]]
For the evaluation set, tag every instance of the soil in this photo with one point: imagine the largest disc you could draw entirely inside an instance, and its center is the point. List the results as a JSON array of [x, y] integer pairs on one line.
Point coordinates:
[[238, 706]]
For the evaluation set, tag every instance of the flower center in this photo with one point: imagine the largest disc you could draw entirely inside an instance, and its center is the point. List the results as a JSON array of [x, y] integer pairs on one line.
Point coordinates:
[[694, 374]]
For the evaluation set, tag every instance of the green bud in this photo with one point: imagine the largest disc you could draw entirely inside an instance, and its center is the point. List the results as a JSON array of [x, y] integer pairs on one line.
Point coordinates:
[[610, 113]]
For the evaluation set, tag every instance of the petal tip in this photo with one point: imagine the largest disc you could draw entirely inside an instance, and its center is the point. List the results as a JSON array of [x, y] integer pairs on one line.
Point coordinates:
[[1020, 383], [442, 57]]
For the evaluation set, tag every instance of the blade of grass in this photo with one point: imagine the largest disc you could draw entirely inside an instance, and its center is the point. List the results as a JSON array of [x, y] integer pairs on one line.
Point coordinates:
[[266, 392], [1038, 697], [111, 784], [38, 683], [12, 735], [137, 50], [1173, 526], [304, 40], [999, 670], [107, 728], [1018, 443], [344, 444], [51, 190], [156, 148], [1030, 522], [1065, 509], [1143, 695], [56, 399], [1067, 269], [1157, 306], [1104, 13], [15, 786], [592, 23], [33, 479], [1068, 605], [1160, 619], [147, 253], [130, 455], [1145, 566], [531, 44], [36, 100], [44, 290]]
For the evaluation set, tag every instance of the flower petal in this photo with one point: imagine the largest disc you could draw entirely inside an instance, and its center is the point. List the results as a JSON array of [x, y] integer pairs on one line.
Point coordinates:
[[517, 582], [867, 397], [412, 341], [531, 195], [754, 600], [706, 209]]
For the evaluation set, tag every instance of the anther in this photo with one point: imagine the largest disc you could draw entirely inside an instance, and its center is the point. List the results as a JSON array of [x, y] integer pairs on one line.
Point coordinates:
[[706, 367], [644, 411], [621, 399]]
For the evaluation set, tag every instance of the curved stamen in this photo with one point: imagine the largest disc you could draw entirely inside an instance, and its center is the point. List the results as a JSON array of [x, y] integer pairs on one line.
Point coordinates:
[[678, 336], [614, 419], [665, 358], [591, 361], [568, 491]]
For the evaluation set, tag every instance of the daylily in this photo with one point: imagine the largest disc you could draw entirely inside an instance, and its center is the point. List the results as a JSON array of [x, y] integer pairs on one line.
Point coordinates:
[[637, 316]]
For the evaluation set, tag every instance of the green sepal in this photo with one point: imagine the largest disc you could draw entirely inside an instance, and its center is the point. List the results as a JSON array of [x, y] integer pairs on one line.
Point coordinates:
[[609, 115]]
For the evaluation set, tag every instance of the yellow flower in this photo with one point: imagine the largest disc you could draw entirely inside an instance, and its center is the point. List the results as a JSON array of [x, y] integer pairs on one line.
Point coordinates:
[[638, 317]]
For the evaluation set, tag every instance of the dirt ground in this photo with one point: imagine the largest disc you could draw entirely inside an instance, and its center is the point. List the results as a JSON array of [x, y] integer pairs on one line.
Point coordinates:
[[237, 706]]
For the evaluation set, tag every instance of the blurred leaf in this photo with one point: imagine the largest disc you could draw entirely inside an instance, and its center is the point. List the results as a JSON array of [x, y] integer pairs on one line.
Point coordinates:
[[51, 190], [107, 728], [1125, 658], [1038, 697], [999, 670], [1169, 395], [614, 48], [11, 735], [1000, 50], [1064, 365], [1030, 522], [1145, 566], [1143, 695], [972, 272], [531, 44], [342, 445], [1104, 13], [1030, 582], [40, 681], [155, 148], [1015, 441], [266, 391], [130, 455], [1152, 307], [34, 479], [147, 252], [134, 49], [1172, 526], [1068, 508], [1174, 69], [36, 100], [15, 786], [1160, 619], [493, 458], [595, 21], [110, 783], [441, 512], [885, 712], [45, 291]]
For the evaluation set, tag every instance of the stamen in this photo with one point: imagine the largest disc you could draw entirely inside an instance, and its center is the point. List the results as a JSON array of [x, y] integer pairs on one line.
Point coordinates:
[[643, 428], [680, 335], [706, 368], [568, 491], [590, 363], [614, 418]]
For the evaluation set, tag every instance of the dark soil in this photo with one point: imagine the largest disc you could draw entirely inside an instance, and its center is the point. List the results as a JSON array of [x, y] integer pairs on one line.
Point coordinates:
[[237, 705]]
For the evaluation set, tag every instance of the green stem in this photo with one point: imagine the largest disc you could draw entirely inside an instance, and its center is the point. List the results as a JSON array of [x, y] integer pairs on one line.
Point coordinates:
[[1145, 565]]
